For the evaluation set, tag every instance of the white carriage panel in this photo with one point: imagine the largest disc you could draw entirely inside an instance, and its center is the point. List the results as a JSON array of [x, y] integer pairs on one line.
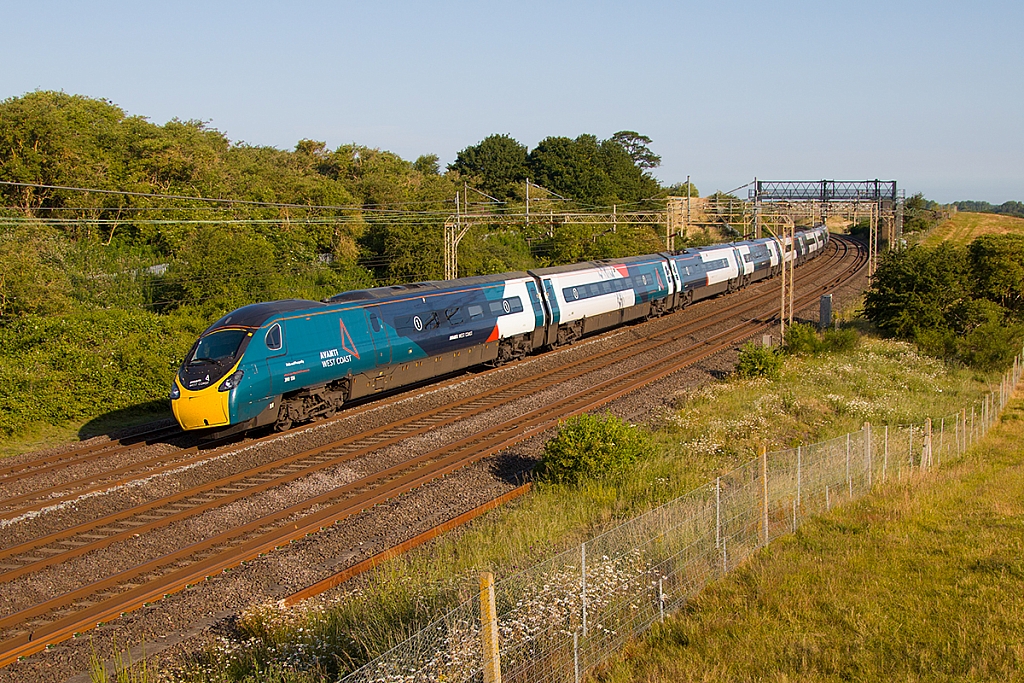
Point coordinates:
[[729, 272], [574, 309], [746, 265], [675, 280], [790, 249], [522, 322]]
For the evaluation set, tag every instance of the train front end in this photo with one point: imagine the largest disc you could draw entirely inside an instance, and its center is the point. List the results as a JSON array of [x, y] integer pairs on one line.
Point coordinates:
[[201, 393]]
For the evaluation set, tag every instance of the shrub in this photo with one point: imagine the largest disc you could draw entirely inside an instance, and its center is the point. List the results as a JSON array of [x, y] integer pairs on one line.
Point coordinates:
[[83, 364], [840, 339], [758, 361], [803, 338], [589, 446]]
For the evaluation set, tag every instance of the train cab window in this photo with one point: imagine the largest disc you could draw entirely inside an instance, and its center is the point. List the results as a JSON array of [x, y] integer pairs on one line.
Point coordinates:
[[475, 312], [375, 323], [273, 338]]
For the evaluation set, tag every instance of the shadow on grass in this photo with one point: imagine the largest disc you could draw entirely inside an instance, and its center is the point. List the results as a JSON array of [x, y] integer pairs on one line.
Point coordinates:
[[123, 421]]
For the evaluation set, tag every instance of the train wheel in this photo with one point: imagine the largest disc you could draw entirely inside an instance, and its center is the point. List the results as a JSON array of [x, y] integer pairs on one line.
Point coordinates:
[[284, 419]]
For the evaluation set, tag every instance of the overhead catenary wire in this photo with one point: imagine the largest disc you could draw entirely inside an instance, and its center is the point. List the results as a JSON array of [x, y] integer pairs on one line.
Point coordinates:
[[245, 202]]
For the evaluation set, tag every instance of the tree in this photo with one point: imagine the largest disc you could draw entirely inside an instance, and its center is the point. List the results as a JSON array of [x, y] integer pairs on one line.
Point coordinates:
[[926, 295], [497, 166], [918, 288], [427, 164], [682, 190], [997, 265], [32, 272], [220, 269], [636, 146], [920, 214], [590, 171]]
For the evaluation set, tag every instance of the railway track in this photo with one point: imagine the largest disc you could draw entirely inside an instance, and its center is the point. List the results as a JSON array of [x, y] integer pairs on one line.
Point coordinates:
[[29, 629], [34, 500]]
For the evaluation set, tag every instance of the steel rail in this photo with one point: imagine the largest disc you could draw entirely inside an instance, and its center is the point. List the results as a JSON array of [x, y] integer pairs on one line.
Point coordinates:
[[66, 491], [81, 454], [118, 526], [538, 421]]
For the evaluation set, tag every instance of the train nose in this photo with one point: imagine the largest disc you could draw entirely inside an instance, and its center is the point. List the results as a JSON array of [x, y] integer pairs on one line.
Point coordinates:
[[198, 409]]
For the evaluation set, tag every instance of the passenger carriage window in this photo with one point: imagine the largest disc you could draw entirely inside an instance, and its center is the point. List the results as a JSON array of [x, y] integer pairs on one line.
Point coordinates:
[[595, 289], [512, 304], [454, 315], [606, 286], [406, 325], [475, 312], [273, 338]]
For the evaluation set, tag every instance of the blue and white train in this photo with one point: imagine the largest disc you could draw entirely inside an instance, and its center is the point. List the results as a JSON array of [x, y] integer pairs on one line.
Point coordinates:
[[283, 362]]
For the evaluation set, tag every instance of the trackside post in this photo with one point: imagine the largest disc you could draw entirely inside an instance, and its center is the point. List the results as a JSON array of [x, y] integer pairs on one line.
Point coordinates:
[[489, 629]]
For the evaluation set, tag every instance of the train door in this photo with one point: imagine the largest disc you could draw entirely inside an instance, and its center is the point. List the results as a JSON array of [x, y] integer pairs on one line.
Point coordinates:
[[378, 335], [539, 312], [554, 317], [676, 287], [279, 373]]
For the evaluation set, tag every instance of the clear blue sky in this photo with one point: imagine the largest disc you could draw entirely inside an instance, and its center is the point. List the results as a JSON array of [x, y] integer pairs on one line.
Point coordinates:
[[930, 94]]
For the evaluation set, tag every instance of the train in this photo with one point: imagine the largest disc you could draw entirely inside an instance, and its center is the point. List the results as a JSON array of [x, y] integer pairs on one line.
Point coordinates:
[[287, 362]]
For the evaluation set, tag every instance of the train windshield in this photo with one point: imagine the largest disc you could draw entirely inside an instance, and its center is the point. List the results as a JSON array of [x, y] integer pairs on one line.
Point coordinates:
[[218, 347]]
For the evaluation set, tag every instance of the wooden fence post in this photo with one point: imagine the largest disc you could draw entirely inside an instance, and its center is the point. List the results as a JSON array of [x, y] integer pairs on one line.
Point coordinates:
[[928, 441], [489, 629], [867, 451], [764, 491]]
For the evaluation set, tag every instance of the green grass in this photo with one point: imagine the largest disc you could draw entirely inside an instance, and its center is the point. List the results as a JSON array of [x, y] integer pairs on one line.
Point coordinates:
[[39, 436], [708, 432], [921, 581], [964, 226]]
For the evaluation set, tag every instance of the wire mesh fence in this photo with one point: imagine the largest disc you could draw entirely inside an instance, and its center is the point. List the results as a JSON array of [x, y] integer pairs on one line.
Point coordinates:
[[562, 617]]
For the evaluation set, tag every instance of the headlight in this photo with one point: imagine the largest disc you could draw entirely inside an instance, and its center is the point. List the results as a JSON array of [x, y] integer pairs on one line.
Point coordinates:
[[232, 381], [175, 391]]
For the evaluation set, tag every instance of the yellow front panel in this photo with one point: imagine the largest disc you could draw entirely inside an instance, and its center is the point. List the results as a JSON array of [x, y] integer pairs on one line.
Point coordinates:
[[204, 408]]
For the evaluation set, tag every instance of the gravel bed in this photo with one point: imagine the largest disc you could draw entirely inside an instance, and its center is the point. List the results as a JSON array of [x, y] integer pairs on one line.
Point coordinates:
[[182, 623]]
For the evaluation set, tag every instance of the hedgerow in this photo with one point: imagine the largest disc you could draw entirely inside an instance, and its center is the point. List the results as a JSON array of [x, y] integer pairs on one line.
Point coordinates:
[[82, 364]]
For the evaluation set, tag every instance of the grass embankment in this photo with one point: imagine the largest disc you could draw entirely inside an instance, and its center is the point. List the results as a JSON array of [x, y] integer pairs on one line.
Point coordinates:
[[708, 432], [922, 580], [90, 372], [963, 227]]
